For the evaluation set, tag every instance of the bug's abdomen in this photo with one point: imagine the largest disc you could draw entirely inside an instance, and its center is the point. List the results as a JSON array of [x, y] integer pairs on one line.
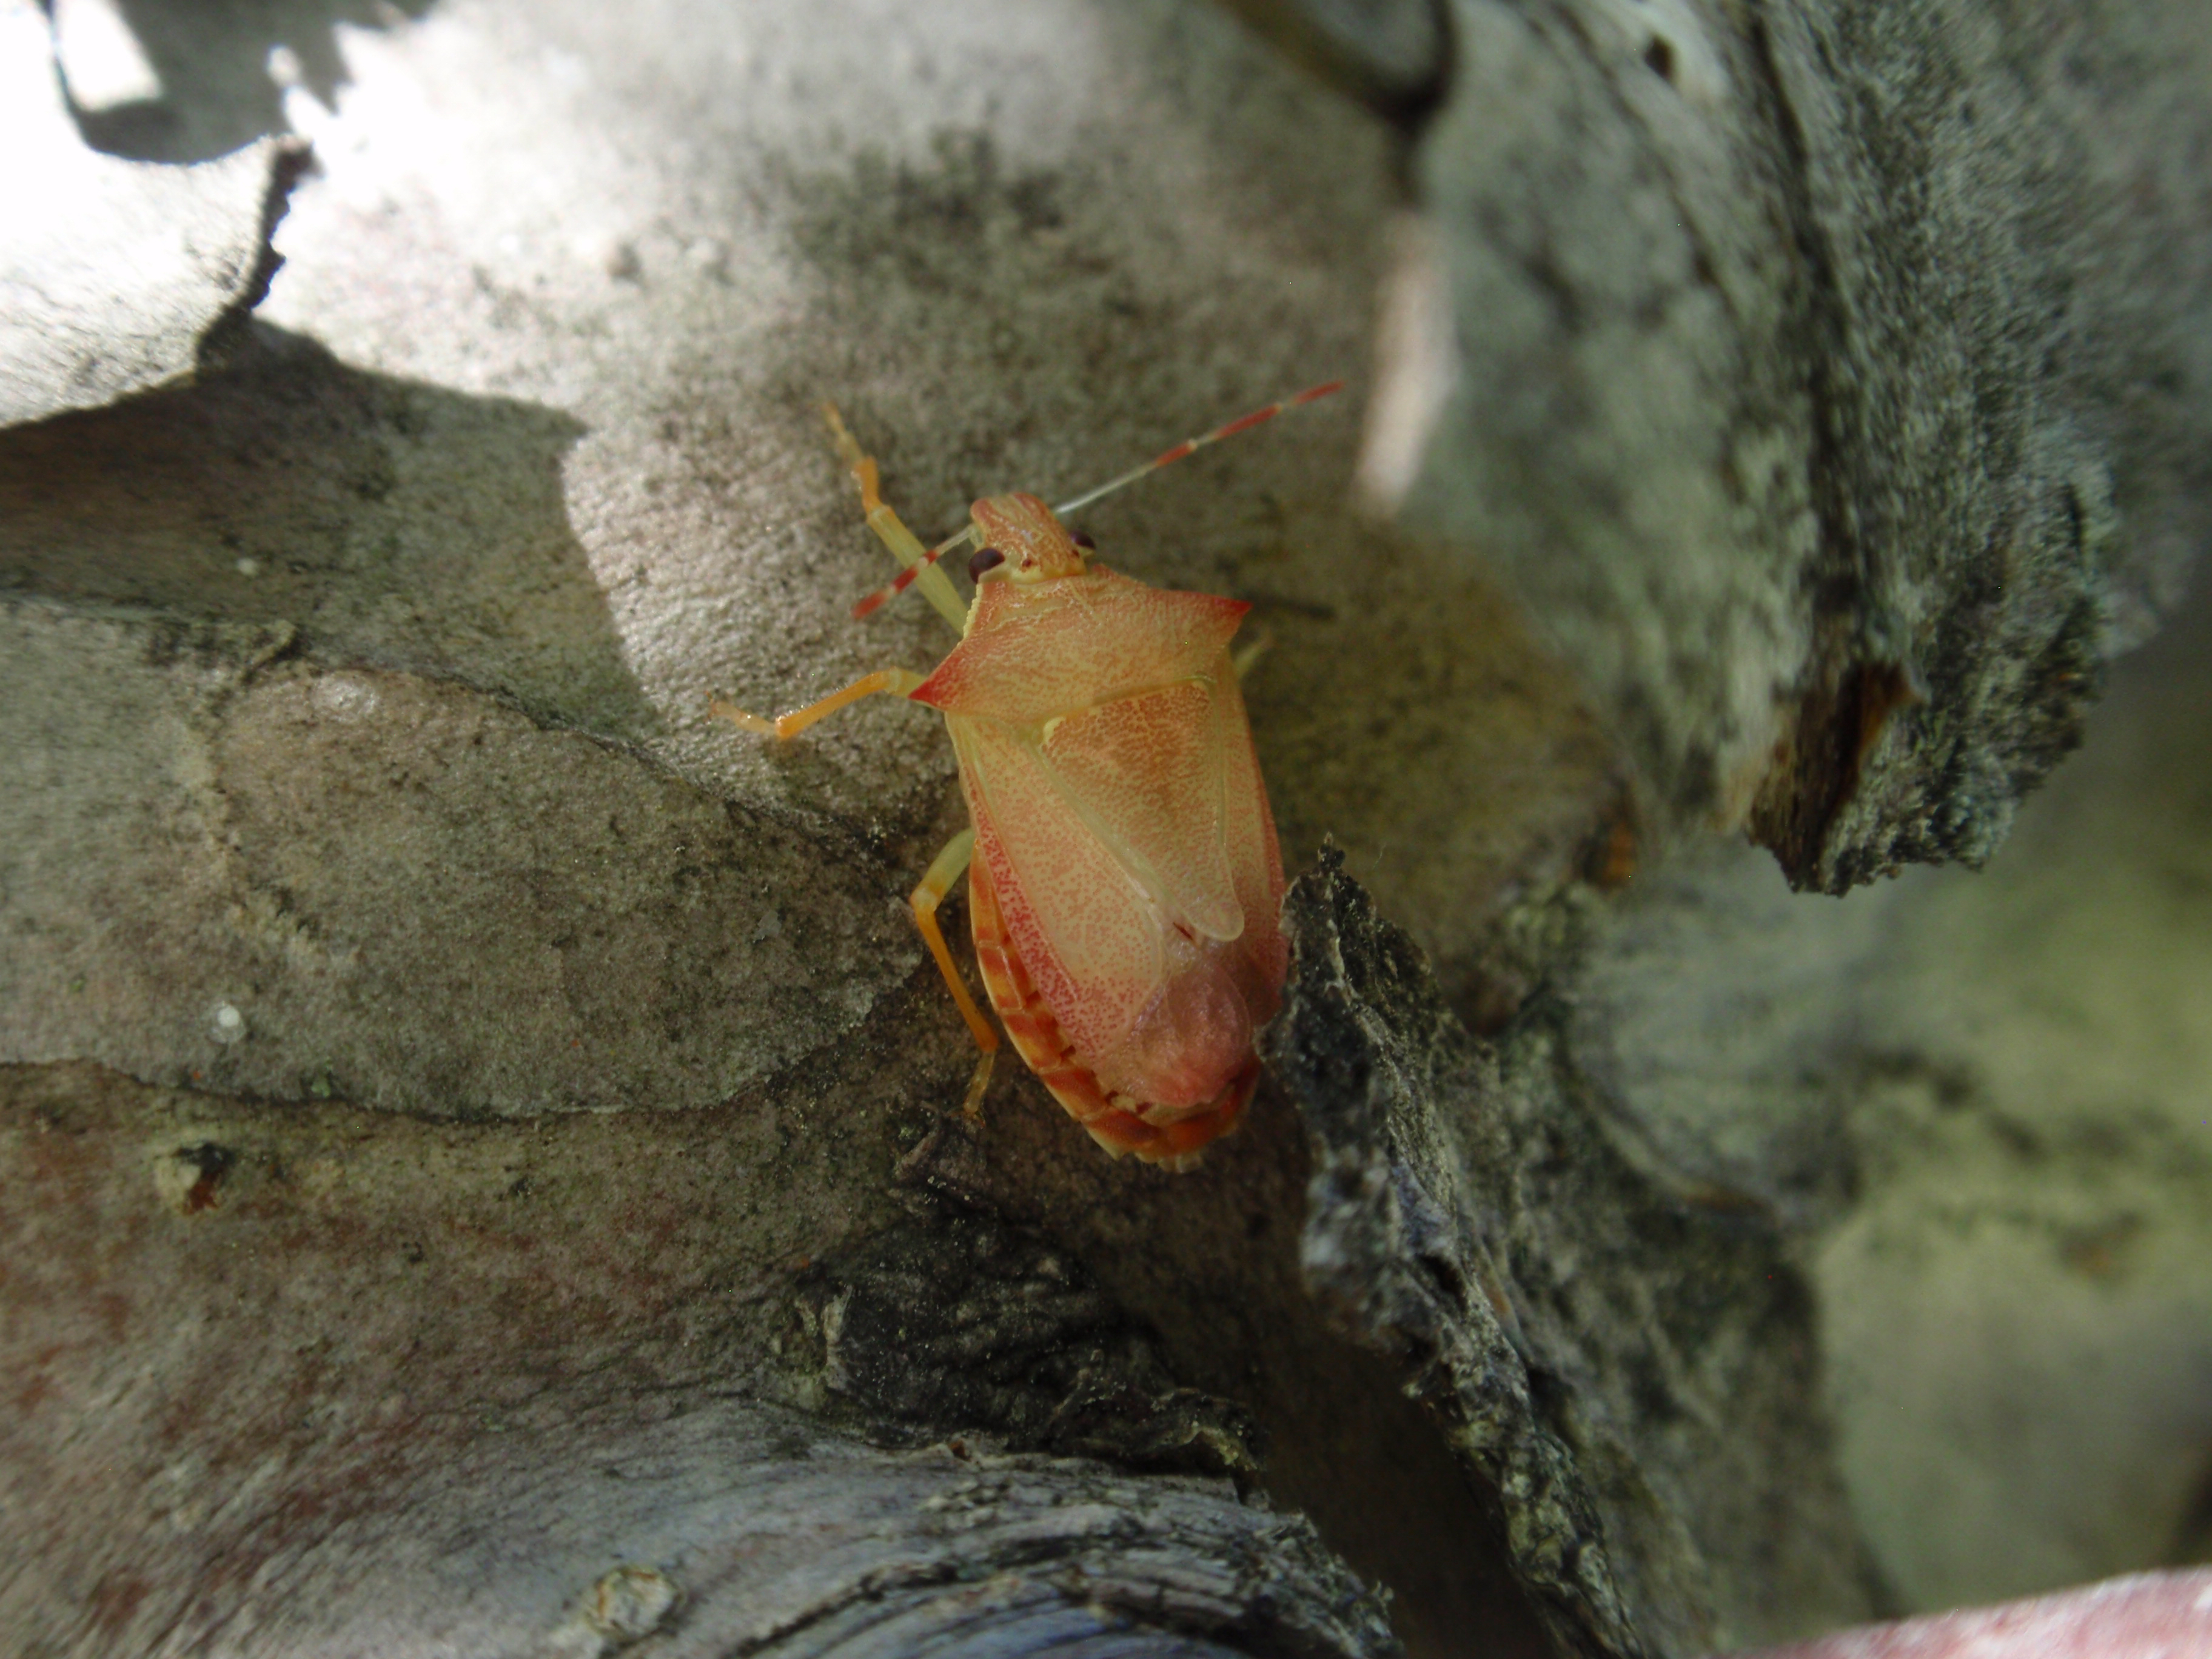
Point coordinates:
[[1119, 1125]]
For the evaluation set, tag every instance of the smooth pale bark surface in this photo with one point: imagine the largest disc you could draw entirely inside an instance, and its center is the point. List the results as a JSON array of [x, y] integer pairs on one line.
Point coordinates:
[[116, 277], [375, 871]]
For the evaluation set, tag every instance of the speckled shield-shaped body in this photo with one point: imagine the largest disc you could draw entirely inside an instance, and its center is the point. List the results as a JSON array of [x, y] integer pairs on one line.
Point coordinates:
[[1126, 884]]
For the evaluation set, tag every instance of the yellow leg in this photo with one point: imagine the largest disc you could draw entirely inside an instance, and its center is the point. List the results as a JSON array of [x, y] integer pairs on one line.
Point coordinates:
[[892, 682], [936, 882], [1247, 656], [936, 586]]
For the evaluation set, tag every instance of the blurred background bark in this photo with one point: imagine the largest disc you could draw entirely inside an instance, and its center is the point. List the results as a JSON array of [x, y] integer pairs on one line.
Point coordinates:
[[480, 1170]]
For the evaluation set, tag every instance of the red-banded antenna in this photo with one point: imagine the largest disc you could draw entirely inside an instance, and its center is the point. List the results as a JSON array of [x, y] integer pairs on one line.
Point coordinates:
[[1190, 446], [905, 578]]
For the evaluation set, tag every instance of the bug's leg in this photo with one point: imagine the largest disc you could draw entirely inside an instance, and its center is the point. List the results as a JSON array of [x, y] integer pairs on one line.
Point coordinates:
[[936, 882], [1243, 658], [892, 682], [936, 586]]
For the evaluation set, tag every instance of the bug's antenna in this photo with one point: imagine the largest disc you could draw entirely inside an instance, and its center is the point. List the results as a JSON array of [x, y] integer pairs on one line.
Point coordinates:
[[905, 578], [1244, 423]]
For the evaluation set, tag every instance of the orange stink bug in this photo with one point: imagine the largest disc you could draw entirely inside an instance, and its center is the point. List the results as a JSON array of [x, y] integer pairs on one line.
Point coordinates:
[[1123, 880]]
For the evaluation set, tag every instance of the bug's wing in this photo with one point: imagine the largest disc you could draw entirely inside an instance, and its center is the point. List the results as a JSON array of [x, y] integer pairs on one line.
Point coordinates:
[[1144, 773], [1090, 940], [1108, 839]]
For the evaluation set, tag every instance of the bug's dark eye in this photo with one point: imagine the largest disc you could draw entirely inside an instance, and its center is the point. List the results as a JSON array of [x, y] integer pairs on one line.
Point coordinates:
[[986, 558], [1085, 542]]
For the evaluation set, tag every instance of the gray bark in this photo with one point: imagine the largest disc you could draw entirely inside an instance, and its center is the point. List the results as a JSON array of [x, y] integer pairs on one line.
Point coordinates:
[[515, 1410], [1632, 1367], [1831, 380]]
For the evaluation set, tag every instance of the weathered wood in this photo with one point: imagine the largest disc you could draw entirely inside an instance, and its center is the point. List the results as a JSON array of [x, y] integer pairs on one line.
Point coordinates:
[[1632, 1370], [1831, 381]]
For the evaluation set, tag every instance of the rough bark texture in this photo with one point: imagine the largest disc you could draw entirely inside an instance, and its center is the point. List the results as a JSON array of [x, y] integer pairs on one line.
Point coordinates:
[[380, 1385], [1632, 1370], [479, 1168], [1979, 1102], [1833, 381]]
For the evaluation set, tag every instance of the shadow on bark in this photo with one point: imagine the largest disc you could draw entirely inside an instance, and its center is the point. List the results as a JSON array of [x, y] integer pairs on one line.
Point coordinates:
[[392, 522]]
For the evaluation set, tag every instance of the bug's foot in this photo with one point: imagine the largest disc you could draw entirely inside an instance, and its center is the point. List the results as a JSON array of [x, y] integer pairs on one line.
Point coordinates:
[[971, 1105], [737, 717]]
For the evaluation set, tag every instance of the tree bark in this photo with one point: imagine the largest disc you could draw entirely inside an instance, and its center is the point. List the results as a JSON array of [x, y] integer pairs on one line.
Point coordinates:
[[486, 1166], [116, 277], [1830, 380]]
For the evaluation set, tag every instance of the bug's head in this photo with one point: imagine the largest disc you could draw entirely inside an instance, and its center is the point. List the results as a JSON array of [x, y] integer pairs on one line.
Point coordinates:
[[1034, 545]]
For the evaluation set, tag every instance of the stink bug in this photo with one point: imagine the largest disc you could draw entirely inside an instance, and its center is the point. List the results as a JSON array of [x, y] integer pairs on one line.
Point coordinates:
[[1123, 880]]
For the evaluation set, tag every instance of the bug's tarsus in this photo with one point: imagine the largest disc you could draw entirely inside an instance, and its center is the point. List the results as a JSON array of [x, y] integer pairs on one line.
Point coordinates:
[[971, 1103], [737, 717], [893, 682]]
